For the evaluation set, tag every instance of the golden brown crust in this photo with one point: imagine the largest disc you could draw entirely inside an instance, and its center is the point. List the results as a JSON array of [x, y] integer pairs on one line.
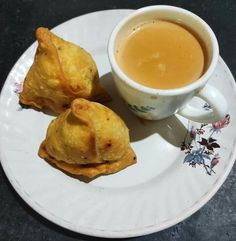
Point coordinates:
[[88, 139], [60, 73], [91, 170], [81, 110]]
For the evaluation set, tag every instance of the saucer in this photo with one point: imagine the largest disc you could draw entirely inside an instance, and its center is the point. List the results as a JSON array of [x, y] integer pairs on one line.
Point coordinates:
[[180, 164]]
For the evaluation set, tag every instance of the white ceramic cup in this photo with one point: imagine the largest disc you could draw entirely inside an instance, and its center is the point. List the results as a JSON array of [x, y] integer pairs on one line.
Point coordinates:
[[156, 104]]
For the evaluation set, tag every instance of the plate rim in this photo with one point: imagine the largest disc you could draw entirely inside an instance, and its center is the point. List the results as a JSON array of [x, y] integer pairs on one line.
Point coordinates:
[[119, 233]]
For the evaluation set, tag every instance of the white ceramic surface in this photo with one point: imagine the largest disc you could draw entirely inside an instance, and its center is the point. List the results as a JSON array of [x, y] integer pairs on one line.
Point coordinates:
[[158, 192]]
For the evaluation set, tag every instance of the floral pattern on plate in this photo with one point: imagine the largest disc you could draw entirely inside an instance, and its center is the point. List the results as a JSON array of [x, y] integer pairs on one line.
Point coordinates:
[[201, 148], [143, 109], [18, 87]]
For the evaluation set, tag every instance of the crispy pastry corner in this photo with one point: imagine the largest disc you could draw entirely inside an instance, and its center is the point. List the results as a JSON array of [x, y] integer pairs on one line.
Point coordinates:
[[60, 73]]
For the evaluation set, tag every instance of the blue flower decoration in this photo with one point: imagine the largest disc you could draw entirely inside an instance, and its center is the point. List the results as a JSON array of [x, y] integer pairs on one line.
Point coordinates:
[[196, 156]]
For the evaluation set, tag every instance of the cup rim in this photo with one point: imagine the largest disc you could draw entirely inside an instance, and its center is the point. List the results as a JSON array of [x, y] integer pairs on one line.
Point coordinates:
[[153, 91]]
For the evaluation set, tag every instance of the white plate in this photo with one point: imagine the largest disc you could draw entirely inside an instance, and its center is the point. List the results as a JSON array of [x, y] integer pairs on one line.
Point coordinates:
[[158, 192]]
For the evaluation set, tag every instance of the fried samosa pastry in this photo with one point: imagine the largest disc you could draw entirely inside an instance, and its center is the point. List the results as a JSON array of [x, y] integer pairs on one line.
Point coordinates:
[[88, 139], [60, 73]]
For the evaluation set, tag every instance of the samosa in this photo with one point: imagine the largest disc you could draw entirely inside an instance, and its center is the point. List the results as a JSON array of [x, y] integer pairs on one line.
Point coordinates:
[[88, 139], [60, 73]]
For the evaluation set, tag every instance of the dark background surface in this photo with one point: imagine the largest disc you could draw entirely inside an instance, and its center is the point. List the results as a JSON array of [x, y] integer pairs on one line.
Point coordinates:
[[18, 21]]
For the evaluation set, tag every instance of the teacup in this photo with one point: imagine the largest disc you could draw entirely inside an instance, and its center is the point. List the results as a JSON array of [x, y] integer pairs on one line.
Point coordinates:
[[155, 104]]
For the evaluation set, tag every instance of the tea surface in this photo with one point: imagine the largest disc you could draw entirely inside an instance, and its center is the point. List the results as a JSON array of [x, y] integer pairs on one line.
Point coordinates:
[[162, 55]]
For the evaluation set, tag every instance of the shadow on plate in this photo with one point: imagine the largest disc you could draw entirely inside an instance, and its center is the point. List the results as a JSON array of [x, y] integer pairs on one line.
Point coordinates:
[[45, 110], [171, 129]]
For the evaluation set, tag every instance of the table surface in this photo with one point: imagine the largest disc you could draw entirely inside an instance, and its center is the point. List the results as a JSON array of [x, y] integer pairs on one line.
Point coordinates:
[[18, 21]]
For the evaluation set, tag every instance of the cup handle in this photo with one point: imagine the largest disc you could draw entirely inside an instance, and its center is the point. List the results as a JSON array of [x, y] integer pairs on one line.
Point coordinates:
[[214, 98]]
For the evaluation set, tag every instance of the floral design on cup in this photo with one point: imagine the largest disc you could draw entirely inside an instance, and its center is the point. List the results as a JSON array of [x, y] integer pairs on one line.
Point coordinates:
[[201, 149], [143, 109]]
